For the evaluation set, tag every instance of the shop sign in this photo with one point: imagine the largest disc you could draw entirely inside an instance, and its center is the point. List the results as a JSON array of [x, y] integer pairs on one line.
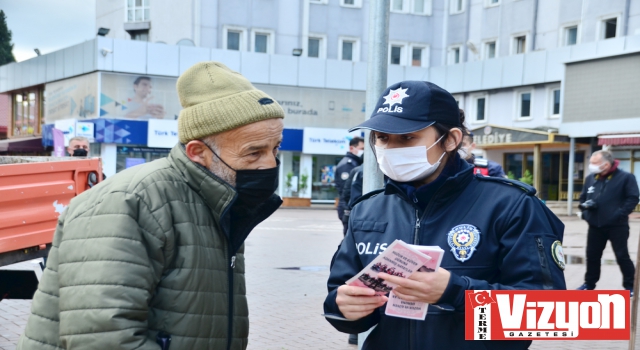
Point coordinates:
[[162, 133], [489, 135], [327, 141], [85, 129], [68, 128]]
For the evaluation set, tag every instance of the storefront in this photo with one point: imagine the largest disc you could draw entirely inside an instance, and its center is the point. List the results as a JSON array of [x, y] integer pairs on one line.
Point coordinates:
[[540, 158], [309, 158]]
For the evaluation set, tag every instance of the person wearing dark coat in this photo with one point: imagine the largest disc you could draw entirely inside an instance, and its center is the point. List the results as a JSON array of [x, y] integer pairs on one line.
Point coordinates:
[[608, 197], [495, 233], [352, 159]]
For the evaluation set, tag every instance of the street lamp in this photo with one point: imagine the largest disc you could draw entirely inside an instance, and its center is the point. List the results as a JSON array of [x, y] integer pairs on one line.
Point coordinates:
[[297, 52], [37, 51], [103, 31]]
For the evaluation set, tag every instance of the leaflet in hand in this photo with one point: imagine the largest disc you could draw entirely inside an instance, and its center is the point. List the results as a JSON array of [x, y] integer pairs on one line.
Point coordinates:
[[415, 310], [399, 259]]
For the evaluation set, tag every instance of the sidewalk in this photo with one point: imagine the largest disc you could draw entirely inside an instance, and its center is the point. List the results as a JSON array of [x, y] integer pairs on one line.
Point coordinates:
[[287, 261]]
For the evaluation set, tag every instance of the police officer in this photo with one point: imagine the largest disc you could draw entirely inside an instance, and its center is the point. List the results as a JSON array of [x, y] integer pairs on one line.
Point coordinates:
[[495, 233], [344, 167], [481, 166]]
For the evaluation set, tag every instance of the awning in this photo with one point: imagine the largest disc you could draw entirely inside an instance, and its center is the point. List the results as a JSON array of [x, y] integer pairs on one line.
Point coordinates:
[[628, 139], [31, 144]]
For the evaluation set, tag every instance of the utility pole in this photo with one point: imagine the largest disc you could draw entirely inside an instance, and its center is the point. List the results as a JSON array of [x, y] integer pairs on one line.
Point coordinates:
[[376, 82]]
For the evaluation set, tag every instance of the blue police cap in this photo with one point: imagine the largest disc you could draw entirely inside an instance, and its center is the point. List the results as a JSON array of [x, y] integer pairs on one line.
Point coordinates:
[[410, 106]]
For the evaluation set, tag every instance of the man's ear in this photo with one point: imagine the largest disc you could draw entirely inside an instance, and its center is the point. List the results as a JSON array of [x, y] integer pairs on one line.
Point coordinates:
[[197, 153], [454, 139]]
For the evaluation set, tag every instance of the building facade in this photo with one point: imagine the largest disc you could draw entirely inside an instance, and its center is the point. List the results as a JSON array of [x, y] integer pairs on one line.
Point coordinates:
[[504, 61]]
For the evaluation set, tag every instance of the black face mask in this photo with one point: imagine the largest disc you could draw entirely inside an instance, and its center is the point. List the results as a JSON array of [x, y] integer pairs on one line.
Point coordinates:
[[79, 152], [254, 186]]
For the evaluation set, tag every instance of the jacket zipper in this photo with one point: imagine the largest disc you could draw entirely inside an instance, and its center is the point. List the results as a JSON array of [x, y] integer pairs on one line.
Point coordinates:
[[232, 265], [544, 264], [415, 233]]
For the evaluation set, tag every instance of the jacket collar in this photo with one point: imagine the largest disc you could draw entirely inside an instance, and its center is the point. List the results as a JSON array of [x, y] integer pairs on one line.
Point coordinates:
[[235, 221], [353, 157], [215, 192]]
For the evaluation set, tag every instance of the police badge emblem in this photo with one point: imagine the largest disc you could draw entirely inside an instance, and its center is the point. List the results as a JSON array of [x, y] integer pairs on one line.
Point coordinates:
[[463, 240], [558, 254]]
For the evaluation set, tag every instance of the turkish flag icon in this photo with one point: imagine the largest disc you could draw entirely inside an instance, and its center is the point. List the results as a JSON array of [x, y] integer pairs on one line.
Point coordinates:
[[480, 298]]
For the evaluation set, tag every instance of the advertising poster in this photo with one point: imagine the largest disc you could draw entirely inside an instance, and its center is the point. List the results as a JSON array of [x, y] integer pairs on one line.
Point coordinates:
[[71, 98], [138, 97], [309, 107]]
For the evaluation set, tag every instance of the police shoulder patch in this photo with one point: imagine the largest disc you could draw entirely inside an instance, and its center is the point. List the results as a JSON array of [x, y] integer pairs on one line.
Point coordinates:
[[463, 240], [558, 254]]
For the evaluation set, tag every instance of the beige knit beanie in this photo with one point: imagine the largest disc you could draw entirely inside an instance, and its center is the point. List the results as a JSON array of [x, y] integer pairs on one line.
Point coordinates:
[[216, 99]]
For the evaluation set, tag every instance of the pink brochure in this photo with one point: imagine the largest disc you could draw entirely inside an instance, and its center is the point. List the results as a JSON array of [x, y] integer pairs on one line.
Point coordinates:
[[415, 310], [399, 259]]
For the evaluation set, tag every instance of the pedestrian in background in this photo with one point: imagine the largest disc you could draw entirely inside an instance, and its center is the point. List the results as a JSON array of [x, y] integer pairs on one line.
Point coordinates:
[[481, 166], [343, 169], [78, 146], [154, 257], [608, 197], [490, 228]]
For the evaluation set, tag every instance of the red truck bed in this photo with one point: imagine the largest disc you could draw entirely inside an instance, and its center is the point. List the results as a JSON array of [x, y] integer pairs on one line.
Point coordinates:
[[34, 191]]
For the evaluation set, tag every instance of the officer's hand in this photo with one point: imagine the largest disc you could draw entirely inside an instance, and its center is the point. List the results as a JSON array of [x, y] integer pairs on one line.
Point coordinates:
[[420, 286], [358, 302]]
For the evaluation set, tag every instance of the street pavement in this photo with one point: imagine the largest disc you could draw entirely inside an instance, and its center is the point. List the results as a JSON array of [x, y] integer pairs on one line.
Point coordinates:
[[287, 259]]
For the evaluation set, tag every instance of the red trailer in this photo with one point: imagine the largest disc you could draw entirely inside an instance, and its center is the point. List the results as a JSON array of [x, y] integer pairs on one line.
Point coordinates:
[[34, 191]]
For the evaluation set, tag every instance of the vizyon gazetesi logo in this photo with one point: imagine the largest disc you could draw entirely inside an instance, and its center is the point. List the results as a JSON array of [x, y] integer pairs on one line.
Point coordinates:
[[548, 314]]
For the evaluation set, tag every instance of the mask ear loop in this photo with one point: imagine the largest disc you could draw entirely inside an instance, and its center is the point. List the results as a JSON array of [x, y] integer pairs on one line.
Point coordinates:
[[217, 156]]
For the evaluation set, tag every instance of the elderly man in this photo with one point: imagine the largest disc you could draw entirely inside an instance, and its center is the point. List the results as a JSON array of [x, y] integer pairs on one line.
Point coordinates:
[[608, 197], [78, 147], [154, 257]]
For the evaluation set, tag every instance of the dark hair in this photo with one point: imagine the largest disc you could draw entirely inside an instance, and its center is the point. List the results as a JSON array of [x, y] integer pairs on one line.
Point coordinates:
[[441, 129], [356, 141], [139, 79]]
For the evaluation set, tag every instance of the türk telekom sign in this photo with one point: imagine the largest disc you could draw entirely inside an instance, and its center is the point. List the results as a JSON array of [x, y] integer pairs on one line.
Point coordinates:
[[549, 314], [327, 141]]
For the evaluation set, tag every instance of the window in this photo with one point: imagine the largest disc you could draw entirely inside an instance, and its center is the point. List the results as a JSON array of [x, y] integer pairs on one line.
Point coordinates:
[[570, 35], [456, 6], [419, 56], [489, 50], [421, 7], [140, 35], [26, 113], [480, 109], [314, 47], [491, 3], [397, 5], [234, 38], [396, 53], [137, 10], [454, 55], [519, 44], [524, 105], [351, 3], [261, 40], [609, 28], [349, 49], [554, 102]]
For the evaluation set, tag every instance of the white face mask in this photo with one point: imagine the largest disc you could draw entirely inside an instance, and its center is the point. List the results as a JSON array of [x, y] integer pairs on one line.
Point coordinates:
[[360, 152], [595, 169], [407, 164], [464, 153]]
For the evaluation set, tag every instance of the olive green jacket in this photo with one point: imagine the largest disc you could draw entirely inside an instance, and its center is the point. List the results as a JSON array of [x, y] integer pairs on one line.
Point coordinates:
[[155, 248]]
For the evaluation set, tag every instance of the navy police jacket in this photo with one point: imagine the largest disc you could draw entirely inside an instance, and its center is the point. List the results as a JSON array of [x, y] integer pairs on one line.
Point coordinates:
[[514, 251]]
